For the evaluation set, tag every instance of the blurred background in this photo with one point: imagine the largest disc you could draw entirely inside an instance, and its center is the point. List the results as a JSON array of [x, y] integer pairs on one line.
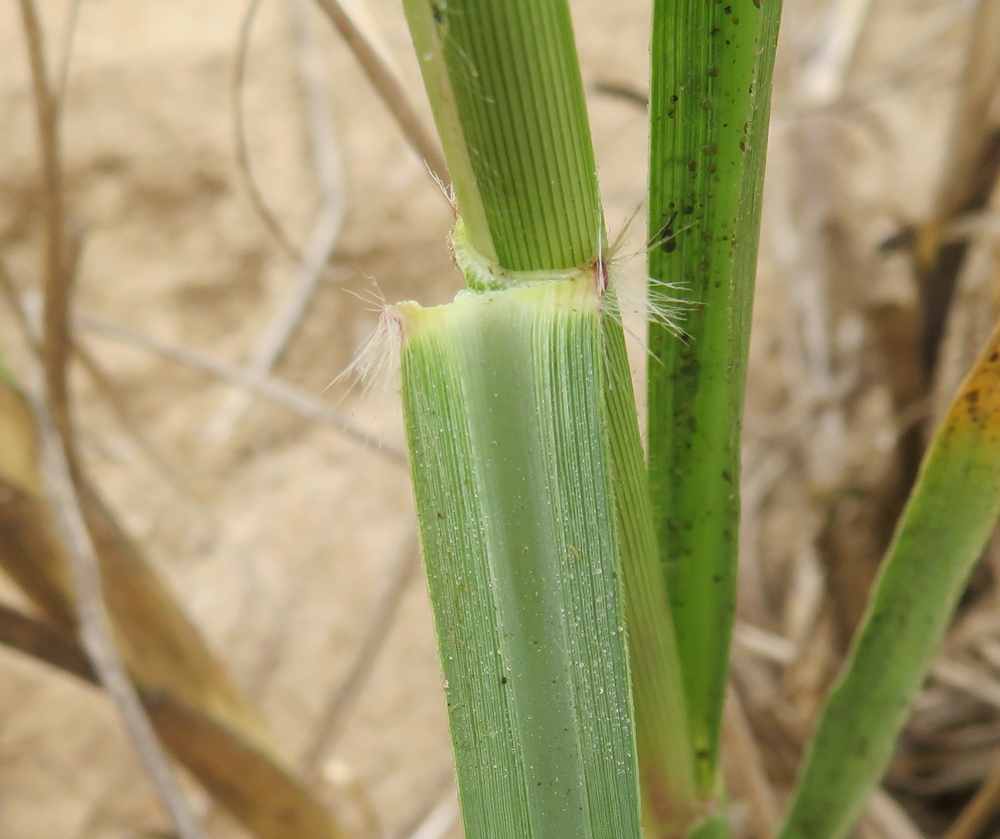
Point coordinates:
[[243, 200]]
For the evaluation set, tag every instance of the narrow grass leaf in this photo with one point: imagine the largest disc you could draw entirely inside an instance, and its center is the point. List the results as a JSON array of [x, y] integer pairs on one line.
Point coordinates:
[[709, 106], [950, 515]]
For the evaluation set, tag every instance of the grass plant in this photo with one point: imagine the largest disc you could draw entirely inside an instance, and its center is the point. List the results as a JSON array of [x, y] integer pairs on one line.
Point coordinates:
[[530, 217], [583, 589], [546, 542]]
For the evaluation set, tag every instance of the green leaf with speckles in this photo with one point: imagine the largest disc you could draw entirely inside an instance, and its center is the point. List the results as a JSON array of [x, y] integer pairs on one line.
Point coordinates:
[[709, 104]]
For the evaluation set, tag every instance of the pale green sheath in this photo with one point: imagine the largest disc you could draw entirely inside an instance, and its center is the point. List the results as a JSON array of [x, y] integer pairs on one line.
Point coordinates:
[[502, 392]]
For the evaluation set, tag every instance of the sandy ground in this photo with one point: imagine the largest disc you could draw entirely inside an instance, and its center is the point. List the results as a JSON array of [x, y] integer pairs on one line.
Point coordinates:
[[278, 539]]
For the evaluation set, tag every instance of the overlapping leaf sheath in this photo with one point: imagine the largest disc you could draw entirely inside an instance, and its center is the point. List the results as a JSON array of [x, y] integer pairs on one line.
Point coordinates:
[[504, 83], [951, 514], [197, 709], [709, 103], [503, 394]]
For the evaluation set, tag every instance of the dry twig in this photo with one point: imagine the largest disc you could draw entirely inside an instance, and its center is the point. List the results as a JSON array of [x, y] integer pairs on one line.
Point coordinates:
[[55, 433], [374, 60], [326, 226], [269, 219], [266, 386], [96, 631], [977, 813], [44, 642]]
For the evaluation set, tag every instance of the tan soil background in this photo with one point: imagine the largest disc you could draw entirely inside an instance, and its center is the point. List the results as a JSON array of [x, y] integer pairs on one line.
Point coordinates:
[[279, 538]]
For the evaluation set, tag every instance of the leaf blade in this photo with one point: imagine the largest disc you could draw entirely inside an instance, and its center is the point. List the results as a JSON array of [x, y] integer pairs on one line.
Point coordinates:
[[709, 108], [949, 517]]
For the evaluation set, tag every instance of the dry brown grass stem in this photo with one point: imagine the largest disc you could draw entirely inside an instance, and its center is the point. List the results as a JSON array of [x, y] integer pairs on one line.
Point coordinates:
[[43, 642], [979, 811], [66, 53], [113, 396], [314, 259], [17, 309], [58, 268], [57, 278], [95, 627], [824, 77], [51, 410], [976, 91], [971, 165], [889, 818], [257, 200], [373, 58], [106, 386], [270, 388], [967, 679]]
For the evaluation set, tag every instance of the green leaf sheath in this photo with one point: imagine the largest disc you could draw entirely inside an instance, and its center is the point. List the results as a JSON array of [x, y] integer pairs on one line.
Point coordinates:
[[951, 514], [666, 768], [502, 395], [709, 105], [505, 87]]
